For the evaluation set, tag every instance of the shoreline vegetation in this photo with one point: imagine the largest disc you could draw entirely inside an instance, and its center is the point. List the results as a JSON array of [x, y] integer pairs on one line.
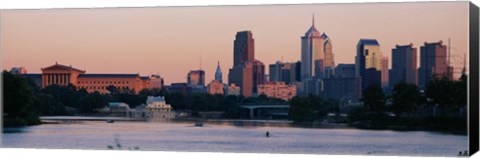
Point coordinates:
[[441, 107]]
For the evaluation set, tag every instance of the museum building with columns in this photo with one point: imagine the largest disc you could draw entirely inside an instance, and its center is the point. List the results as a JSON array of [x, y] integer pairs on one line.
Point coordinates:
[[64, 75]]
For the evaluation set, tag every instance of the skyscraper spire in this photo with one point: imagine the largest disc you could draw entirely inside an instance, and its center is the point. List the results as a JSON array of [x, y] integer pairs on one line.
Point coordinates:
[[313, 19], [200, 59]]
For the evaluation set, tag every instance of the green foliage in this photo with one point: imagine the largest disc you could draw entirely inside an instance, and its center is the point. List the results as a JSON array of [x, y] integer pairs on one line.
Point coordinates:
[[92, 102], [447, 94], [358, 114], [374, 98], [262, 99], [18, 101], [67, 96], [405, 98], [310, 108], [47, 105]]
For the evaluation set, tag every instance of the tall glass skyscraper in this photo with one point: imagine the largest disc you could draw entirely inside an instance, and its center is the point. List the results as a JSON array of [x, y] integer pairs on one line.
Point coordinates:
[[368, 62], [316, 54]]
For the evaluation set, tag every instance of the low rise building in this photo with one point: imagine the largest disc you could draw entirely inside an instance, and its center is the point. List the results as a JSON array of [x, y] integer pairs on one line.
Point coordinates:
[[118, 107], [232, 90], [155, 108], [215, 87], [278, 90]]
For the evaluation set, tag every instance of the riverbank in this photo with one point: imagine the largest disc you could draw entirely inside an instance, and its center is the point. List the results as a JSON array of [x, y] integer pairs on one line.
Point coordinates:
[[247, 123]]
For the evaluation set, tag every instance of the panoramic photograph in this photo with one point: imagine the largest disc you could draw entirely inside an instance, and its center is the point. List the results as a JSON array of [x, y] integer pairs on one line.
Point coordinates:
[[333, 79]]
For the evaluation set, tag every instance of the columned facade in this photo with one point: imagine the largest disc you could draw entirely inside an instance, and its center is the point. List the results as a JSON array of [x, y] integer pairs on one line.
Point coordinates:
[[65, 75], [60, 75], [59, 79]]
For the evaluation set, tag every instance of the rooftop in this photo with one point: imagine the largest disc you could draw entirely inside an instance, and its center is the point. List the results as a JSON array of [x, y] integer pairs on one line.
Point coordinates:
[[155, 99], [109, 75], [368, 42], [60, 66], [31, 75]]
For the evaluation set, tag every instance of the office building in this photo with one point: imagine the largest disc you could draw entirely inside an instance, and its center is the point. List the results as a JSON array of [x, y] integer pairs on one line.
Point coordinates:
[[368, 62], [215, 87], [385, 70], [196, 78], [246, 72], [404, 65], [278, 90], [433, 63], [316, 54]]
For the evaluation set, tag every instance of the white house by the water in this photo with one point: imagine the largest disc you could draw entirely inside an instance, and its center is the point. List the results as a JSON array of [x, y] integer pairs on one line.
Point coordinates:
[[155, 108]]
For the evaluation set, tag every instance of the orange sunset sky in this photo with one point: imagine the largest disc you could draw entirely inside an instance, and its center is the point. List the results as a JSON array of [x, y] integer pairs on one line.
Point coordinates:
[[169, 40]]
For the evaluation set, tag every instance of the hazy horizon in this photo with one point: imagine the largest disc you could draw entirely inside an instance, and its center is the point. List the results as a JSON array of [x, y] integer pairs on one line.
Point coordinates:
[[169, 40]]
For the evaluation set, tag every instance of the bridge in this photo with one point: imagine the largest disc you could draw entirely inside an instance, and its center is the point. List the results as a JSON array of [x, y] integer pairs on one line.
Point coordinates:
[[269, 109]]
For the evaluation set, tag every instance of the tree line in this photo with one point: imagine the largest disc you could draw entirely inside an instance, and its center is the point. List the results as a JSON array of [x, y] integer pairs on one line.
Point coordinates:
[[25, 101], [442, 102]]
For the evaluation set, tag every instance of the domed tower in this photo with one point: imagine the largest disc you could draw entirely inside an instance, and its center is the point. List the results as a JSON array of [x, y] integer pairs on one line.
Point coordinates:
[[218, 73]]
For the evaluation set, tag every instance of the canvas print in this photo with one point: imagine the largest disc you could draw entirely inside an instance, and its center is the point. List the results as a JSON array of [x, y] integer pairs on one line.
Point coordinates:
[[354, 79]]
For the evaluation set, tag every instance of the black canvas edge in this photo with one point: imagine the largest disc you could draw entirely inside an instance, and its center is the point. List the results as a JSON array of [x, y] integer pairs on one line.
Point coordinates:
[[473, 118]]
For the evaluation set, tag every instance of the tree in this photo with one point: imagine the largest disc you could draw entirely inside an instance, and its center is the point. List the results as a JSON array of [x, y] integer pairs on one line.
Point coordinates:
[[405, 98], [92, 102], [439, 91], [47, 105], [302, 109], [374, 98], [460, 92], [18, 101], [112, 89]]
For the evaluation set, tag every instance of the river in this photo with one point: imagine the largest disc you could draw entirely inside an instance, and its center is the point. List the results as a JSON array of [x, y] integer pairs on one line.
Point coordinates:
[[161, 136]]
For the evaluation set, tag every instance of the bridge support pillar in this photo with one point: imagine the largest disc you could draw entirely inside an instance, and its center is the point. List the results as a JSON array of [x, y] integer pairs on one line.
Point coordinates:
[[251, 113]]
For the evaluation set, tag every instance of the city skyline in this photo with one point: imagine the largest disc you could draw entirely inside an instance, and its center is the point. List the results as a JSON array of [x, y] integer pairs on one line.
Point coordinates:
[[142, 47]]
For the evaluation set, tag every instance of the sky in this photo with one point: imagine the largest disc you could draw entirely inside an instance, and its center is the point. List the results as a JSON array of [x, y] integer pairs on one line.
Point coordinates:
[[173, 40]]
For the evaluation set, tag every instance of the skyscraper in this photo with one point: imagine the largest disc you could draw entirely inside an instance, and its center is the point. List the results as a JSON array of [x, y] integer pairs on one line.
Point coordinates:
[[284, 72], [368, 62], [196, 78], [385, 71], [433, 62], [275, 71], [218, 73], [258, 70], [246, 72], [243, 47], [345, 71], [316, 54], [404, 65]]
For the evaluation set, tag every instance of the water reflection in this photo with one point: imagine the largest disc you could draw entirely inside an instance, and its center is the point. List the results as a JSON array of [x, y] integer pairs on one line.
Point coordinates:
[[223, 136]]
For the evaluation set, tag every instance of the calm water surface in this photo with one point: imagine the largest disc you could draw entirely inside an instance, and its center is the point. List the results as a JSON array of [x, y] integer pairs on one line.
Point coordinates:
[[226, 138]]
